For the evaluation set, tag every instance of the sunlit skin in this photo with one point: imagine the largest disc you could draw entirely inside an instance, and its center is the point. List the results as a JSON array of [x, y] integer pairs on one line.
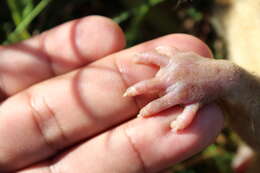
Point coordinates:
[[63, 111], [184, 78], [191, 81]]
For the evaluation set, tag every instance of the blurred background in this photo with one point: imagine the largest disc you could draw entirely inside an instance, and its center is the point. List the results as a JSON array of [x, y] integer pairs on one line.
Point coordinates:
[[141, 20]]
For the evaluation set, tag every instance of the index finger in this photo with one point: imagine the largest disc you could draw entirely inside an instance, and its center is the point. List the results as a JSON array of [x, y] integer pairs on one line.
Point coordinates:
[[57, 51]]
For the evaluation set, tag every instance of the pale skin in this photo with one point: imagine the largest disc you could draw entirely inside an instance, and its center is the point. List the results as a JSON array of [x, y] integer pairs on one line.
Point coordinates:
[[184, 78], [57, 116], [52, 121]]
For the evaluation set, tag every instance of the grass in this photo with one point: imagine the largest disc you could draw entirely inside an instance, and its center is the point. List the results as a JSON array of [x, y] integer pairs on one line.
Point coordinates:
[[23, 14], [141, 20]]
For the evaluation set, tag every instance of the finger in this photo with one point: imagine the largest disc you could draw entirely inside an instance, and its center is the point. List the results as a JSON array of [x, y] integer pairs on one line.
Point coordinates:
[[144, 87], [158, 105], [146, 145], [151, 58], [60, 50], [60, 112]]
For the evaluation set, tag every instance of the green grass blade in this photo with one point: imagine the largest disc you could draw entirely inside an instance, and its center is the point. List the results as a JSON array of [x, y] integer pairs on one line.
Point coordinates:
[[23, 25], [17, 18]]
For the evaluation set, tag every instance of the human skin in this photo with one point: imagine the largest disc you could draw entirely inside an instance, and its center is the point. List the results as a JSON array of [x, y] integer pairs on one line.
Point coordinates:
[[63, 108]]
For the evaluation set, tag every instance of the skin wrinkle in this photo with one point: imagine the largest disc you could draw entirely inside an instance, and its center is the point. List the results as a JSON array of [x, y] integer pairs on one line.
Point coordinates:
[[124, 81], [34, 114], [135, 149], [76, 90], [79, 59], [83, 105], [74, 44], [36, 122], [132, 136], [54, 60], [50, 60], [3, 88], [138, 153], [52, 113], [35, 52], [72, 38], [42, 55], [42, 46]]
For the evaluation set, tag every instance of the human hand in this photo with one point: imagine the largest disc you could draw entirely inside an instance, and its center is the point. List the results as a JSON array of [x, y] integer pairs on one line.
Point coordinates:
[[57, 117]]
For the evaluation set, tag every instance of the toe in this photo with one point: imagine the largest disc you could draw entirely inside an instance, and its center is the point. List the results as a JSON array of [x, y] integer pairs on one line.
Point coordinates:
[[145, 87], [151, 58], [187, 116], [158, 105]]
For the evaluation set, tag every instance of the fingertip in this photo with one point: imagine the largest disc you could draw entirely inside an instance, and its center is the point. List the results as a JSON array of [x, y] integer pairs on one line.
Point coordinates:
[[79, 42], [98, 36], [188, 42], [182, 42]]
